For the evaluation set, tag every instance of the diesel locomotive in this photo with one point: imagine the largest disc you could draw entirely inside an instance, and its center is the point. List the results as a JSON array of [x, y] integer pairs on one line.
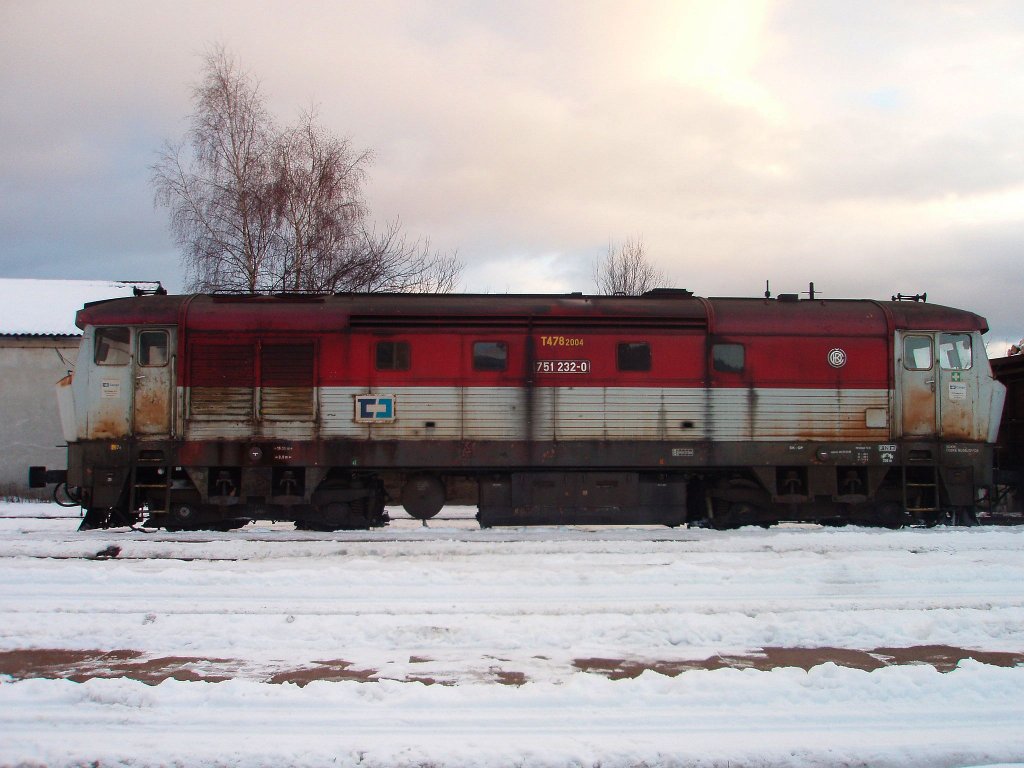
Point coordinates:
[[209, 411]]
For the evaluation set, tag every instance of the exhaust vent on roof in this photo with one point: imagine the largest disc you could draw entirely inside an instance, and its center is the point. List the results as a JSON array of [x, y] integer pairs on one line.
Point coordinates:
[[668, 293]]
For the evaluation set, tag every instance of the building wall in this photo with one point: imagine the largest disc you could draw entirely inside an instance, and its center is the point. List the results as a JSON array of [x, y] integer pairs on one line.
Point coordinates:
[[30, 431]]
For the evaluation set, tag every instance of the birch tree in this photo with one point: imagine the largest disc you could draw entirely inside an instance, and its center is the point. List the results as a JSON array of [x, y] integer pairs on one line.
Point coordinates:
[[626, 270], [257, 207]]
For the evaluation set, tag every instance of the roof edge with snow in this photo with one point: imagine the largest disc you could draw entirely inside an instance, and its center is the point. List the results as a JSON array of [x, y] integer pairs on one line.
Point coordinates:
[[35, 307]]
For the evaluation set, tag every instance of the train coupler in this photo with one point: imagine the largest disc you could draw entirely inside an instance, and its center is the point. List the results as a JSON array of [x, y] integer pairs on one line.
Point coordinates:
[[40, 477]]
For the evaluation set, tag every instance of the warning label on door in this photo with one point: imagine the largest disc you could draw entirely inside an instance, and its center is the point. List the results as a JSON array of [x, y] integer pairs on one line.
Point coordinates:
[[957, 390]]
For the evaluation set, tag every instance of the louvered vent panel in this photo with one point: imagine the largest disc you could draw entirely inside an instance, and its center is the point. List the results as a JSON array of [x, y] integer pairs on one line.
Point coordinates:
[[221, 403], [222, 365], [222, 377], [287, 365], [287, 379]]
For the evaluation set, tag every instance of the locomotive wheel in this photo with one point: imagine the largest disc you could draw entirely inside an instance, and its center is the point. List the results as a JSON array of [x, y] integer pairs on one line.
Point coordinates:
[[890, 515], [728, 516], [355, 504], [196, 517], [183, 515], [423, 496], [744, 513], [335, 516], [341, 516]]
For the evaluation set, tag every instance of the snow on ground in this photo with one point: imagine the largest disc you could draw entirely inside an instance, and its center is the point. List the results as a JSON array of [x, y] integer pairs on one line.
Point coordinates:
[[448, 645]]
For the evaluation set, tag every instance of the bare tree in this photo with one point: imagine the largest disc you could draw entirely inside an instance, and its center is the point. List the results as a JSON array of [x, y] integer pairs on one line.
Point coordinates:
[[318, 201], [260, 208], [217, 195], [627, 271], [392, 263]]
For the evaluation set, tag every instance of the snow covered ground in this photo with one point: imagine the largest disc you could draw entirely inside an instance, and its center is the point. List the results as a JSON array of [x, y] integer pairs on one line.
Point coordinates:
[[448, 645]]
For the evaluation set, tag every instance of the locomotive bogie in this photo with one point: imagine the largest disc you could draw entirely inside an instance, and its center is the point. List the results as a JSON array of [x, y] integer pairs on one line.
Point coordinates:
[[209, 411]]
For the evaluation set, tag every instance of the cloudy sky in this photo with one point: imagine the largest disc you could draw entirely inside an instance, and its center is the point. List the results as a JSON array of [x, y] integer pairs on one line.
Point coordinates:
[[869, 147]]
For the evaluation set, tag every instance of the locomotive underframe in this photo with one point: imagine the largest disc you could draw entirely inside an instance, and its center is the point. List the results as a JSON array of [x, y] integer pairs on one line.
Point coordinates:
[[345, 484]]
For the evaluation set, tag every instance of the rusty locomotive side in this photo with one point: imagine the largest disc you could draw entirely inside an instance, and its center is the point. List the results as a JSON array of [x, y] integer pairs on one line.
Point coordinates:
[[210, 411]]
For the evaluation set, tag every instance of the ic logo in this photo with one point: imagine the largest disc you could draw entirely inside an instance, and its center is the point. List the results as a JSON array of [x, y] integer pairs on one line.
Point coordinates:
[[375, 409], [837, 358]]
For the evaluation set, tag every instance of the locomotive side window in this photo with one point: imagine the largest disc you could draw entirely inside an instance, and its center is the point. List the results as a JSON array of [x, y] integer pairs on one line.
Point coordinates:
[[113, 346], [153, 348], [917, 353], [955, 351], [634, 356], [728, 358], [393, 356], [490, 355]]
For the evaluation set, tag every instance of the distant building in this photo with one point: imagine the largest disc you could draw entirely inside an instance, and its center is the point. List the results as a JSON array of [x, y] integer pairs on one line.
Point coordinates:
[[38, 347]]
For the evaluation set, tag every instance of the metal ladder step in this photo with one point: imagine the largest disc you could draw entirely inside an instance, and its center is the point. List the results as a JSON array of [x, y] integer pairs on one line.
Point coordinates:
[[165, 486], [923, 497]]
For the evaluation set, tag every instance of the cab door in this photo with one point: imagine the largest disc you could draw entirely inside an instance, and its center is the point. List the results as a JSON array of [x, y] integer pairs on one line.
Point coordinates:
[[110, 384], [959, 383], [916, 374], [153, 382], [940, 386]]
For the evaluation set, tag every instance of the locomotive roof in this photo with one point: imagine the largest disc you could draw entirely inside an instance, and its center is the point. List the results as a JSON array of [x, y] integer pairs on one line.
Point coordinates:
[[751, 316]]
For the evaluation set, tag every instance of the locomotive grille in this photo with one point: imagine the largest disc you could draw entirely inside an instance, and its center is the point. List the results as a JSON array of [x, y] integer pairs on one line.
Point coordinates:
[[287, 379], [222, 378], [224, 381]]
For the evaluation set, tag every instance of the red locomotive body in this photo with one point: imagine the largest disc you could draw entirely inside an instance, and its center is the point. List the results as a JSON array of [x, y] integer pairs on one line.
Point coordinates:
[[209, 411]]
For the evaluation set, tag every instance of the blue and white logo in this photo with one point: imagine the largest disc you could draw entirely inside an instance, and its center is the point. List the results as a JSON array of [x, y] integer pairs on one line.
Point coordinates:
[[375, 409]]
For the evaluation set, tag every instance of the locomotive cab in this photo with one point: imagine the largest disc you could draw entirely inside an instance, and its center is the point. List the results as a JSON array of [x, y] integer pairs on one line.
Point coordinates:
[[120, 399], [946, 388], [125, 383], [947, 414]]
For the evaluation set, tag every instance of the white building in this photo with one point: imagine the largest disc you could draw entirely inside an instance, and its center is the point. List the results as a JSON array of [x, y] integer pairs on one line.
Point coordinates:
[[38, 347]]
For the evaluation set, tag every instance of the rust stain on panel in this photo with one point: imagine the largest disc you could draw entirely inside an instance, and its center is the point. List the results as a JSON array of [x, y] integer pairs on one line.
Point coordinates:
[[221, 402], [107, 427], [287, 402], [918, 412], [151, 409]]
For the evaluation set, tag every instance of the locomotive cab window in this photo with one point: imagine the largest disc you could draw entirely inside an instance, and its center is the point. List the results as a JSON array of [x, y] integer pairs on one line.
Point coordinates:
[[490, 355], [917, 353], [393, 356], [113, 346], [955, 351], [634, 356], [728, 358], [153, 348]]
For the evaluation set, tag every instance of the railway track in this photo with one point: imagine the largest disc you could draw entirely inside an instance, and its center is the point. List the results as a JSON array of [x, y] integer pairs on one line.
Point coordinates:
[[406, 521]]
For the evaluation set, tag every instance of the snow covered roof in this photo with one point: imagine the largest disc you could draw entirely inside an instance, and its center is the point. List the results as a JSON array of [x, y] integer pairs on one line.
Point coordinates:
[[47, 307]]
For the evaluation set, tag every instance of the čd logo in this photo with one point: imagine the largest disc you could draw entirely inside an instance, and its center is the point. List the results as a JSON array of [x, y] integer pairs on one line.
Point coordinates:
[[375, 408]]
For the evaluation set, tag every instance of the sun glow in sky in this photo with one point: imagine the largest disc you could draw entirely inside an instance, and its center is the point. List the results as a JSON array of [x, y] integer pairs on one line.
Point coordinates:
[[715, 46], [872, 148]]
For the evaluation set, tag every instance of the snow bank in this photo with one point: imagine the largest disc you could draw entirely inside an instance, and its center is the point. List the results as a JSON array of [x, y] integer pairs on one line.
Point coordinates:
[[911, 716], [471, 609]]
